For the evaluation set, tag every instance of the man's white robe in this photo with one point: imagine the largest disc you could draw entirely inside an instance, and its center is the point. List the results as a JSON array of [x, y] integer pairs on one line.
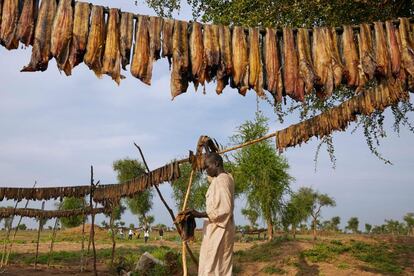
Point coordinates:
[[216, 253]]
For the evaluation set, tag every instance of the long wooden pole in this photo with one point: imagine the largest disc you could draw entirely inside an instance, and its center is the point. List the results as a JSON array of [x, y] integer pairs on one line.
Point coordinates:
[[184, 258], [111, 225], [53, 236], [170, 211], [38, 235], [92, 236], [16, 229], [6, 238], [83, 239]]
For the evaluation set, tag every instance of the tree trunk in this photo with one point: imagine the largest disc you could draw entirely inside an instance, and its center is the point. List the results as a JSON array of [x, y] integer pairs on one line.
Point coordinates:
[[269, 229], [314, 229], [294, 231], [111, 225]]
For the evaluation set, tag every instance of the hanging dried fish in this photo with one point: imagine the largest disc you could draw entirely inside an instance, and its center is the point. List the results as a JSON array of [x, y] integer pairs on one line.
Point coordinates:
[[9, 22], [240, 59], [155, 28], [41, 45], [79, 36], [181, 64], [362, 77], [111, 63], [407, 46], [394, 51], [197, 55], [141, 65], [306, 71], [255, 62], [351, 58], [226, 63], [126, 34], [272, 71], [167, 39], [381, 51], [96, 40], [294, 85], [337, 66], [368, 62], [402, 75], [26, 25], [322, 63], [62, 33], [211, 50]]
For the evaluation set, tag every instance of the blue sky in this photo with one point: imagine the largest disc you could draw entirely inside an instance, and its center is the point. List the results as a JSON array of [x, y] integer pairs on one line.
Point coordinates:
[[54, 127]]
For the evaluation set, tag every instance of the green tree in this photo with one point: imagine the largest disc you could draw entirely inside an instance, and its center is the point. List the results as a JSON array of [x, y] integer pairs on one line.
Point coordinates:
[[70, 203], [259, 172], [252, 216], [353, 224], [22, 226], [368, 228], [318, 202], [335, 221], [409, 220], [141, 203], [308, 13], [297, 210], [197, 198]]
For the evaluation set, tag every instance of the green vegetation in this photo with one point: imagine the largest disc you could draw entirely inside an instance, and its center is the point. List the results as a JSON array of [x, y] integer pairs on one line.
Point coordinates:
[[70, 203], [353, 224], [273, 270]]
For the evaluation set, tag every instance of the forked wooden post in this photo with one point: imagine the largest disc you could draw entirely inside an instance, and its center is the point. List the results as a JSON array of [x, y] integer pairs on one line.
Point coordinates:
[[184, 257], [38, 235], [83, 239], [92, 236]]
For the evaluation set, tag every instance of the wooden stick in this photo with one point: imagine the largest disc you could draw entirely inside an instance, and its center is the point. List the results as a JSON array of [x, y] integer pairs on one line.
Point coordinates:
[[93, 223], [53, 236], [111, 225], [83, 239], [6, 239], [16, 229], [183, 256], [38, 235], [177, 226]]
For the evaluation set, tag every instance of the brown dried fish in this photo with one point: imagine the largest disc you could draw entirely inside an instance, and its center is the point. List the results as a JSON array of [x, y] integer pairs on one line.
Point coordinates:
[[368, 62], [211, 50], [322, 62], [197, 55], [10, 18], [127, 32], [62, 33], [79, 36], [111, 63], [407, 46], [351, 58], [226, 63], [155, 28], [26, 25], [394, 51], [255, 62], [141, 65], [167, 39], [96, 40], [381, 51], [41, 45], [272, 70], [181, 65], [240, 78], [294, 85], [306, 71], [337, 66]]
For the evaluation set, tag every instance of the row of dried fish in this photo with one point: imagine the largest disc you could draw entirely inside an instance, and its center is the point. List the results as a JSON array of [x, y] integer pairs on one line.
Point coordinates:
[[373, 99], [169, 172], [295, 64], [37, 213]]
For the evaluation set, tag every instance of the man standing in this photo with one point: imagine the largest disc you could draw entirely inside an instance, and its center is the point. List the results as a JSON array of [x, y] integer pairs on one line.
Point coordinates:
[[216, 252]]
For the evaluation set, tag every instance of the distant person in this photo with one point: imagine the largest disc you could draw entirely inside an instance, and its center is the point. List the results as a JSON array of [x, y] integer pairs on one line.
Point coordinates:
[[216, 252], [146, 235], [130, 234], [121, 233], [161, 233]]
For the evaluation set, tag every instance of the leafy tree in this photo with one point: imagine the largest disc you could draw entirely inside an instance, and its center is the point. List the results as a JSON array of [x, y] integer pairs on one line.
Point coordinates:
[[353, 224], [307, 13], [318, 201], [122, 223], [335, 221], [70, 203], [104, 224], [197, 199], [131, 226], [259, 172], [297, 210], [22, 226], [368, 228], [394, 227], [128, 169], [252, 216], [409, 220]]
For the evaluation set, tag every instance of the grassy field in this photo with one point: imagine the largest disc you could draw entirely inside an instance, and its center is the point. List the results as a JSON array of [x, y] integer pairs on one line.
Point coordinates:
[[337, 254]]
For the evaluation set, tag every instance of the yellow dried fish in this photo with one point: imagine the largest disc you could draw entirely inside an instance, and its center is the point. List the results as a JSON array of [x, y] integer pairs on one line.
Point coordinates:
[[181, 65], [96, 41], [272, 70], [240, 78], [167, 39], [226, 65], [255, 62], [211, 50], [155, 28], [26, 25], [197, 55], [127, 32], [10, 18], [141, 65]]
